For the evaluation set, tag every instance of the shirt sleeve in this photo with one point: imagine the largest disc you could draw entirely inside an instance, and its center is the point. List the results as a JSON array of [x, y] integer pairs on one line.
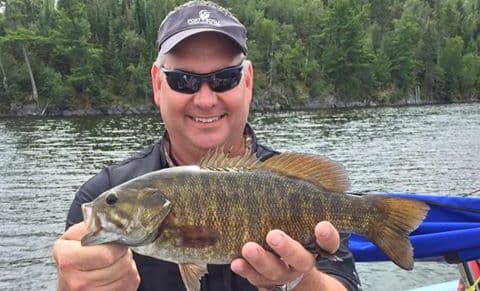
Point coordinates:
[[344, 269]]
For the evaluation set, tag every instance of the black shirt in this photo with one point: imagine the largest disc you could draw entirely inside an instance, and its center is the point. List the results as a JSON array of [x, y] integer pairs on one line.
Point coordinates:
[[158, 275]]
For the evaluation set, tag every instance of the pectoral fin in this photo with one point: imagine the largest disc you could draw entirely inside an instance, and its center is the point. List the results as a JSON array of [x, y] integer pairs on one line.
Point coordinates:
[[191, 274]]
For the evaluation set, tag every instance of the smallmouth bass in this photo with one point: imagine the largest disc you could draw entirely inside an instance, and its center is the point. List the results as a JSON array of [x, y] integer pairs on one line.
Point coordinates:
[[194, 215]]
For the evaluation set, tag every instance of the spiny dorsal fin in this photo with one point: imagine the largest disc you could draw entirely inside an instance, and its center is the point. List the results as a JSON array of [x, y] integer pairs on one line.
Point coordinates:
[[318, 170], [218, 160]]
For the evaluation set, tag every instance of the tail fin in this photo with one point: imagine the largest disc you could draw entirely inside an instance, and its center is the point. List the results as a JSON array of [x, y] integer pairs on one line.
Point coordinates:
[[397, 218]]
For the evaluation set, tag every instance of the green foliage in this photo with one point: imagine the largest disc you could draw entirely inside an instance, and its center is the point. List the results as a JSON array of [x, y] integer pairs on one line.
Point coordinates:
[[345, 56], [400, 47], [54, 89], [451, 62], [99, 52], [470, 76]]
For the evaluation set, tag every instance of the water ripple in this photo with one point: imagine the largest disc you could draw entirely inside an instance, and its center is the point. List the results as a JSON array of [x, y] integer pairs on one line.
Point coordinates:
[[428, 149]]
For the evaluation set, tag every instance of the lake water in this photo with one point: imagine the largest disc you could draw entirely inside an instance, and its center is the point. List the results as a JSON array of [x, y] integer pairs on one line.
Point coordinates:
[[426, 149]]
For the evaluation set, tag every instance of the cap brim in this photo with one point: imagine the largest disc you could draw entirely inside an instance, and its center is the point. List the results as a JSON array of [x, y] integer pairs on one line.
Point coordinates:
[[172, 41]]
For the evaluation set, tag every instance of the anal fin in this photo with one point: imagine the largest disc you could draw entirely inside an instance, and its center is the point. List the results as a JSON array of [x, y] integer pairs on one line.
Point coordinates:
[[191, 274]]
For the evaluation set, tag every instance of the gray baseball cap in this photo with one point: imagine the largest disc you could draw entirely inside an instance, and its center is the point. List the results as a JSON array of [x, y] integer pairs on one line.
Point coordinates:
[[199, 16]]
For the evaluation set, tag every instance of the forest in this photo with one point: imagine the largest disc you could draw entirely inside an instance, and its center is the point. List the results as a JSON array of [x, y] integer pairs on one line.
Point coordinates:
[[70, 54]]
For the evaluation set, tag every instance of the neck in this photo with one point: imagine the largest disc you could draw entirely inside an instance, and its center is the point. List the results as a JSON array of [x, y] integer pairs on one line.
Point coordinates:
[[191, 155], [184, 156]]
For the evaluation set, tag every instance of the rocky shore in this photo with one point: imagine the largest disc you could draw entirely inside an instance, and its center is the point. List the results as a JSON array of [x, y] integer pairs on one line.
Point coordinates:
[[25, 110]]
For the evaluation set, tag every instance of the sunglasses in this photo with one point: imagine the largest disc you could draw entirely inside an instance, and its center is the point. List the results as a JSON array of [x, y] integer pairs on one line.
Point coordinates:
[[219, 81]]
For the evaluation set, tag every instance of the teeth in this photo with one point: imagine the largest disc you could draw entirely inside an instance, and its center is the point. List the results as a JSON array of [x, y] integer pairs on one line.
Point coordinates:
[[206, 120]]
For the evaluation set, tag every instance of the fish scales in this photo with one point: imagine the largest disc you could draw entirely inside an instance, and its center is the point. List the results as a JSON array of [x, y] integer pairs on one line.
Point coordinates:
[[197, 215], [238, 211]]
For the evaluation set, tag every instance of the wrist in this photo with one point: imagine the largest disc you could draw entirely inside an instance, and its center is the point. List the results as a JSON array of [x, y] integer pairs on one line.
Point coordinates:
[[290, 285], [317, 280]]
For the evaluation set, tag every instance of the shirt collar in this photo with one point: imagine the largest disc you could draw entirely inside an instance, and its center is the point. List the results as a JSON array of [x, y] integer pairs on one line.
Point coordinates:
[[249, 142]]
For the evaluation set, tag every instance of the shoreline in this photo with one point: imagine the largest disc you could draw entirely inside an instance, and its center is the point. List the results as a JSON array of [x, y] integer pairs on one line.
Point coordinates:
[[30, 110]]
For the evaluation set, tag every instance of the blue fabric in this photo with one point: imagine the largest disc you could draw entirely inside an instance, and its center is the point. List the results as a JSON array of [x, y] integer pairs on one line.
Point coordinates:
[[452, 227]]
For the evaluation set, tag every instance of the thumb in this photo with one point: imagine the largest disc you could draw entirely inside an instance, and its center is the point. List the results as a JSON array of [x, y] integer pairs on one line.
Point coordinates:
[[327, 236], [75, 232]]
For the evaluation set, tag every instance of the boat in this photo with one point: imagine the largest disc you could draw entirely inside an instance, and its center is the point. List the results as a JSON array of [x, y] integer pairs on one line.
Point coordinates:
[[453, 223]]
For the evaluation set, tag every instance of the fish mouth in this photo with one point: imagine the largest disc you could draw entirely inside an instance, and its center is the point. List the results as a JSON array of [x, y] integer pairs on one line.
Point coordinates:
[[92, 224], [102, 237], [96, 234]]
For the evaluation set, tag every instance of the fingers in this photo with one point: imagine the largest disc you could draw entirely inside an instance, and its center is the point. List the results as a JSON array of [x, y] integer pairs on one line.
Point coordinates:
[[327, 237], [263, 268], [122, 275], [127, 280], [261, 265], [243, 268], [99, 267], [125, 284], [122, 267], [290, 250], [288, 259], [75, 232], [71, 254]]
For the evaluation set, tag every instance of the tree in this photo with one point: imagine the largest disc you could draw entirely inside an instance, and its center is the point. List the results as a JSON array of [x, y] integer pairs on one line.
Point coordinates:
[[451, 62], [2, 33], [88, 53], [400, 47], [77, 58], [470, 76], [430, 74], [21, 16], [345, 54]]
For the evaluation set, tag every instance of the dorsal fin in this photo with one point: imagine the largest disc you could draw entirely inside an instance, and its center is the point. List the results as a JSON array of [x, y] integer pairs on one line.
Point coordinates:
[[218, 160], [318, 170]]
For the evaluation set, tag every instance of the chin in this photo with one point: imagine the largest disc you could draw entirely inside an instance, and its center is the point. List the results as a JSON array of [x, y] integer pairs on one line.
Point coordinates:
[[209, 143]]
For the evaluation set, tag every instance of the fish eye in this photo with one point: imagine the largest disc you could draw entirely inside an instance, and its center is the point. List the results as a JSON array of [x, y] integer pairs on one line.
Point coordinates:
[[111, 199]]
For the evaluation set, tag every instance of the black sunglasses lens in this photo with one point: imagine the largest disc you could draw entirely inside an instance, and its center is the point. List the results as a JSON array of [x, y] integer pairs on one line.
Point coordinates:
[[188, 83], [226, 80], [183, 83]]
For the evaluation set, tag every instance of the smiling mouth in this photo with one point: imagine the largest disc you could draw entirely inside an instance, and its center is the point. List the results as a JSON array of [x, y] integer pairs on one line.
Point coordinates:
[[207, 119]]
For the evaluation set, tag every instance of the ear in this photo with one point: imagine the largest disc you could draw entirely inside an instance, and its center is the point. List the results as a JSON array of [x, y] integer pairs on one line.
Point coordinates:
[[249, 79], [156, 84]]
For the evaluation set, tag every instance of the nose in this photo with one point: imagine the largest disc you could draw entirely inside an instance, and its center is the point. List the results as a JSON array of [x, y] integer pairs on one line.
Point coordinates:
[[205, 98]]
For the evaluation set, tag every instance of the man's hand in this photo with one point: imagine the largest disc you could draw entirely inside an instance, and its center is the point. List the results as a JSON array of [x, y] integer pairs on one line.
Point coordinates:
[[102, 267], [265, 269]]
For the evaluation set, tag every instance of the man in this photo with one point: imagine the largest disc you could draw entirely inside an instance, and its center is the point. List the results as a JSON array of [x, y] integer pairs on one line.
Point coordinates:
[[203, 88]]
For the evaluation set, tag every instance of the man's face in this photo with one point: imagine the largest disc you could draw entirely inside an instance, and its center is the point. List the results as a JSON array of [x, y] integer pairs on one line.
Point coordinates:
[[204, 119]]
